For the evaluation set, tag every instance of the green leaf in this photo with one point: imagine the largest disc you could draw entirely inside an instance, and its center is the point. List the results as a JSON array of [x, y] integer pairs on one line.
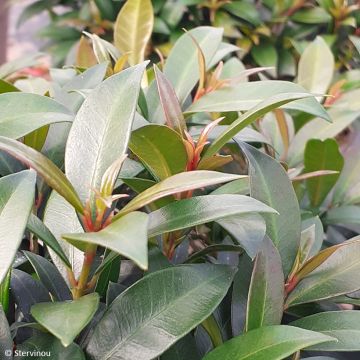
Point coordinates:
[[214, 249], [265, 55], [160, 149], [335, 276], [249, 117], [316, 15], [184, 349], [49, 276], [270, 184], [200, 210], [133, 28], [109, 273], [16, 200], [244, 10], [321, 155], [343, 113], [6, 87], [106, 118], [38, 228], [269, 342], [50, 345], [6, 343], [176, 184], [266, 293], [246, 230], [344, 215], [60, 217], [150, 303], [51, 174], [169, 102], [5, 292], [184, 56], [246, 96], [341, 325], [12, 66], [65, 320], [22, 113], [126, 236], [37, 138], [316, 67]]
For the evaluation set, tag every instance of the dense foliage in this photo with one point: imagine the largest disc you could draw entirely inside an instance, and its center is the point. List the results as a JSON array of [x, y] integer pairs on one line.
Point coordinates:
[[197, 208]]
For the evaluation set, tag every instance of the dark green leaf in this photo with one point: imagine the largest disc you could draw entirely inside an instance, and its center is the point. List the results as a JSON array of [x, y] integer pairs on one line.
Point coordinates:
[[269, 342], [270, 184], [341, 325], [65, 320], [49, 276], [266, 293], [151, 302]]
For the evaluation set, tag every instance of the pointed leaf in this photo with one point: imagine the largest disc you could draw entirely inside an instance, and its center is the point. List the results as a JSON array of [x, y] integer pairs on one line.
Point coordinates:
[[126, 236], [266, 292], [16, 200], [269, 342], [184, 56], [101, 129], [335, 276], [270, 184], [49, 276], [341, 325], [245, 96], [200, 210], [22, 113], [170, 103], [133, 28], [160, 149], [65, 320], [176, 184], [51, 174], [249, 117], [149, 305], [38, 228]]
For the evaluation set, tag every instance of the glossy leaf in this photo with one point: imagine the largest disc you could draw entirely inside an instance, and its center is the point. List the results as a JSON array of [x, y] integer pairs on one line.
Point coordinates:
[[245, 96], [184, 56], [49, 276], [316, 67], [200, 210], [246, 230], [148, 305], [335, 276], [27, 291], [169, 102], [51, 174], [249, 117], [126, 236], [38, 228], [60, 217], [270, 184], [176, 184], [269, 342], [46, 343], [65, 320], [22, 113], [341, 325], [322, 156], [266, 293], [160, 149], [107, 123], [16, 200], [133, 28], [6, 87], [184, 349]]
